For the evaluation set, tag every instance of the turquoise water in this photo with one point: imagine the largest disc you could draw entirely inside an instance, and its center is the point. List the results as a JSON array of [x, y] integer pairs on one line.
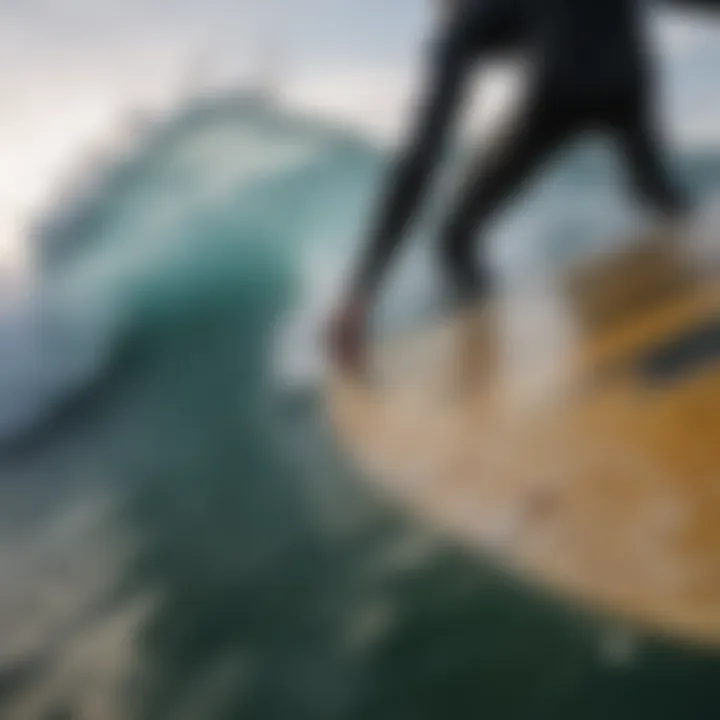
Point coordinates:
[[180, 536]]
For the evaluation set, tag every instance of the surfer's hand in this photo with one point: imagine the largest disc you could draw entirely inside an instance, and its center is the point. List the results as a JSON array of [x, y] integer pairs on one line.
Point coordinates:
[[346, 335]]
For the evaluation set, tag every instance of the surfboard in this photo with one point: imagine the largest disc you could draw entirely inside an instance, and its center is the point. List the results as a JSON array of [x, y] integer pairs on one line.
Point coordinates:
[[568, 430]]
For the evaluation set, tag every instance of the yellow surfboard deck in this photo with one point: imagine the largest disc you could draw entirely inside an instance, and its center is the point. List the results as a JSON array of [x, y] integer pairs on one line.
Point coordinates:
[[570, 432]]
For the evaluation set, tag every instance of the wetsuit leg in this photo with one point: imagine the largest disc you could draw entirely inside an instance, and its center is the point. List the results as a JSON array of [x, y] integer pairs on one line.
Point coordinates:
[[643, 150], [493, 179]]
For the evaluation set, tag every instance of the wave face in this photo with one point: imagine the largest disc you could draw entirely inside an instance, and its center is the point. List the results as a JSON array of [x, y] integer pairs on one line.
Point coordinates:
[[211, 206], [186, 527], [222, 195]]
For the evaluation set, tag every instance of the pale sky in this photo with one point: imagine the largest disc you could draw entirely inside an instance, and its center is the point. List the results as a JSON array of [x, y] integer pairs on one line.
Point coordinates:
[[74, 69]]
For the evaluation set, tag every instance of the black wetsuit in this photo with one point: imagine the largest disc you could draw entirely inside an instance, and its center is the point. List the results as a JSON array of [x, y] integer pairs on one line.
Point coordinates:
[[591, 70]]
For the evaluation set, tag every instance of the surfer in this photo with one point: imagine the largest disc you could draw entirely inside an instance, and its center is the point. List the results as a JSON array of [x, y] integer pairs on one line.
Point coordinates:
[[590, 71]]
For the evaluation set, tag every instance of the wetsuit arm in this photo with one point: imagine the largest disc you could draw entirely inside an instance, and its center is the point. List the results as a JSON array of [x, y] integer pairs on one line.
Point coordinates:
[[416, 162]]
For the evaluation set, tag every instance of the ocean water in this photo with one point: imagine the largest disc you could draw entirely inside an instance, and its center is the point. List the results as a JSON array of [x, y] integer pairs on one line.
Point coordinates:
[[180, 537]]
